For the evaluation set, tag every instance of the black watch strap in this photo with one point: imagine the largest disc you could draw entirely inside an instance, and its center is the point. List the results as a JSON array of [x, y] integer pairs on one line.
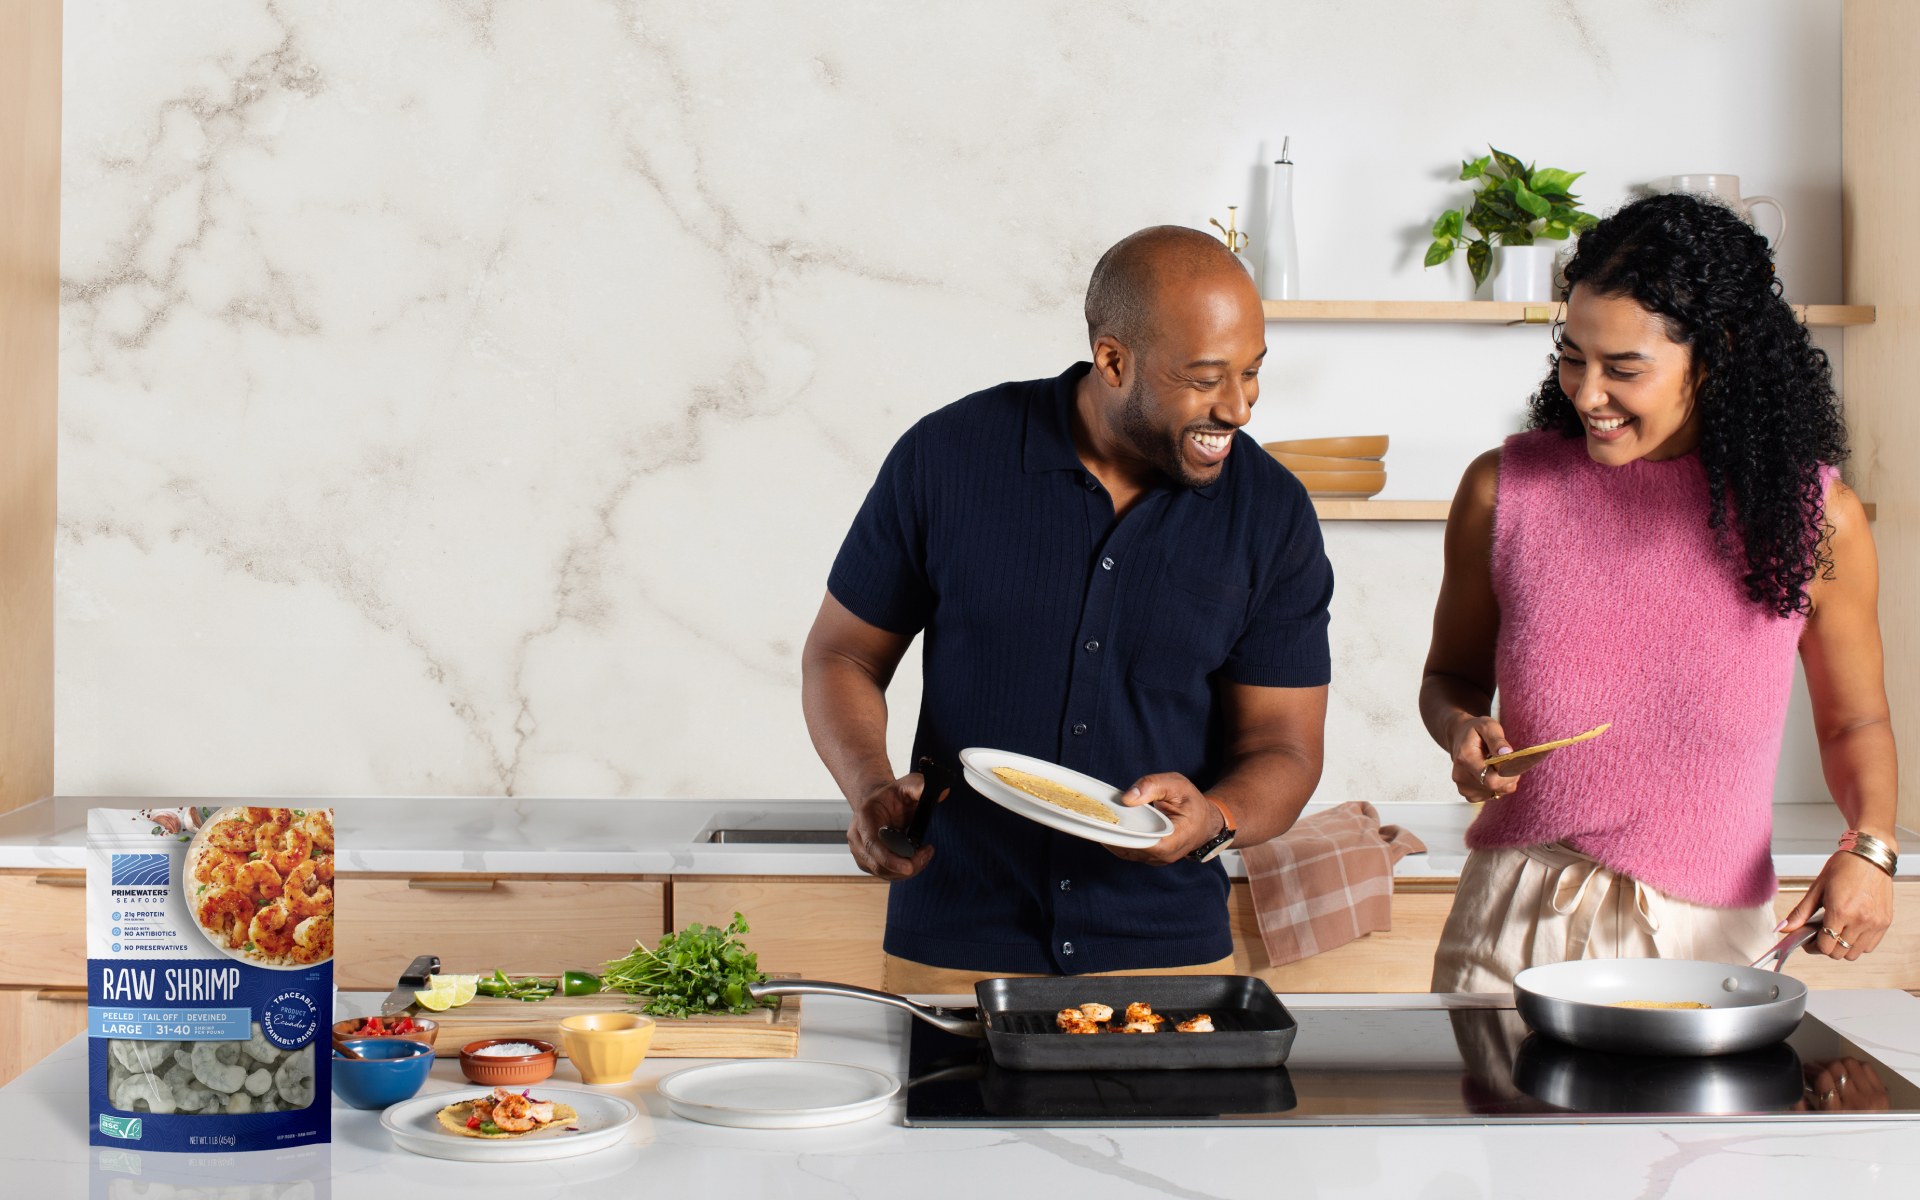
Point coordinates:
[[1210, 849]]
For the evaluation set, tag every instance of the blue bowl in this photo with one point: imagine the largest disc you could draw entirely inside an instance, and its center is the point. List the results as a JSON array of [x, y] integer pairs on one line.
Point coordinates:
[[393, 1071]]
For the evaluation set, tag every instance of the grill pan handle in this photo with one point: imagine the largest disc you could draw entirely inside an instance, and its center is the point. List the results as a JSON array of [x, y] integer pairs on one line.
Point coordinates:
[[963, 1022]]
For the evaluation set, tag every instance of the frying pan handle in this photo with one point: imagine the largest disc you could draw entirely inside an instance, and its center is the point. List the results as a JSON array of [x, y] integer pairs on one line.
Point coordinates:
[[1793, 941], [964, 1022]]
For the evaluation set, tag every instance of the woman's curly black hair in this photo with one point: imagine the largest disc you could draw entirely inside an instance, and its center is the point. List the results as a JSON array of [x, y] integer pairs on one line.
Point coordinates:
[[1768, 414]]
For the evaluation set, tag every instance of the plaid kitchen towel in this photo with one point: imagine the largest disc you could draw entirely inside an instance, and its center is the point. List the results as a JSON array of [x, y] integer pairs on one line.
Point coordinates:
[[1326, 881]]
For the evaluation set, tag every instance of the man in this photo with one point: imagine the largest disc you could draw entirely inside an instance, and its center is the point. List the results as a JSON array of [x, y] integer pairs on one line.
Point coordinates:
[[1109, 577]]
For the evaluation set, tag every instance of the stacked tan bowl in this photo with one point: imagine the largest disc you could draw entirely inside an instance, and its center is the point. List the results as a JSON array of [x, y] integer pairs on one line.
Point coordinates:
[[1336, 468]]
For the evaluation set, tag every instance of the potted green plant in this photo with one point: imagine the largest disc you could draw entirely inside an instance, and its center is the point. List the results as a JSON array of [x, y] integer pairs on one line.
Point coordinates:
[[1517, 205]]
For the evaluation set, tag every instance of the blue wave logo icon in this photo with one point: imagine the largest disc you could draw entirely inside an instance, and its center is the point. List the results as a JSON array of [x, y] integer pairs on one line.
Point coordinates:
[[140, 870], [127, 1128]]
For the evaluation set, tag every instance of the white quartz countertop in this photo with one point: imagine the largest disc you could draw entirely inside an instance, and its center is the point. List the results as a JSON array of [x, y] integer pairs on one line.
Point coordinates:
[[44, 1151], [670, 837]]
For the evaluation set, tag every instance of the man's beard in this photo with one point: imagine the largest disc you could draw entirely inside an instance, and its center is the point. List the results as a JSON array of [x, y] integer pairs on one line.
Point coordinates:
[[1166, 451]]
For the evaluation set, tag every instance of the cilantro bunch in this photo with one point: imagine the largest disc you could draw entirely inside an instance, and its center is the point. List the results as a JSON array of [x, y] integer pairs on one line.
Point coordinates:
[[701, 969]]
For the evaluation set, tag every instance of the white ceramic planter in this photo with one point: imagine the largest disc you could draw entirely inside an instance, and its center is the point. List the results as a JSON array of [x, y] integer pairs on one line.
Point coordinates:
[[1524, 273]]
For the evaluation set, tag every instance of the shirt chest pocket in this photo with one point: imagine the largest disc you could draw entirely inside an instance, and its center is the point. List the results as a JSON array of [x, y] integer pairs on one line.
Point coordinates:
[[1188, 632]]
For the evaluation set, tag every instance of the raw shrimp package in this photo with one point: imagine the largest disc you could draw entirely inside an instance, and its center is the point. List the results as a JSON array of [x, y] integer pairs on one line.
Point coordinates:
[[209, 977]]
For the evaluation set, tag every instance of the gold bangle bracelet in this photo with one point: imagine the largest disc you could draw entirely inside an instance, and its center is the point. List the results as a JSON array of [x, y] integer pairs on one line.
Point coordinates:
[[1885, 864], [1871, 848]]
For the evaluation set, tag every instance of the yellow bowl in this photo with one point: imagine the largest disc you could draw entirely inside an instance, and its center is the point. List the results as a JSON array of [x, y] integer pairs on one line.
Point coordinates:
[[606, 1047]]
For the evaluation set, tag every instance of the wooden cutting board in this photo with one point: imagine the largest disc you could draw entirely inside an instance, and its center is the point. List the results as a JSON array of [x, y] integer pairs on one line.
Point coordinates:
[[764, 1033]]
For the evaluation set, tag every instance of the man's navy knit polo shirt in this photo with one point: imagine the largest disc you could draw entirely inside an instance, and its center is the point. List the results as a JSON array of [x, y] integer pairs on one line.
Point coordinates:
[[1053, 630]]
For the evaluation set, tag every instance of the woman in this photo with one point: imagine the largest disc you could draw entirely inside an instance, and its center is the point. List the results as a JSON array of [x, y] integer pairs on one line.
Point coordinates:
[[1651, 553]]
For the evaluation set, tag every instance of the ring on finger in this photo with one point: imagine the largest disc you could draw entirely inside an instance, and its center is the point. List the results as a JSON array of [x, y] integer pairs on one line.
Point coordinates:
[[1843, 943], [1483, 774]]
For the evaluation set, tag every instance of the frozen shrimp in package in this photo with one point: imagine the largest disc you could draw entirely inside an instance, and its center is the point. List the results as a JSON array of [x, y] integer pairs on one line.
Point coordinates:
[[209, 977]]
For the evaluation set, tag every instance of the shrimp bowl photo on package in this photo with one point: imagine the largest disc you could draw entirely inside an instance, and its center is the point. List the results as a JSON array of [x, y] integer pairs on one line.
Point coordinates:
[[209, 977]]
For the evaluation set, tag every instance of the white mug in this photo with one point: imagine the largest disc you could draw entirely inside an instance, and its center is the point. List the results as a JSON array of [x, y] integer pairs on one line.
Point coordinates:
[[1726, 189]]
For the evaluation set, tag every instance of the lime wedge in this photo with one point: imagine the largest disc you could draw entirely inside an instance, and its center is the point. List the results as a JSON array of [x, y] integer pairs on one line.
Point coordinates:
[[448, 991], [434, 1000]]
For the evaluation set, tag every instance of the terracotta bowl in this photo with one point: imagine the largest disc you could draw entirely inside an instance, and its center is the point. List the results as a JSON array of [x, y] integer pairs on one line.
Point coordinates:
[[1350, 485], [518, 1070], [425, 1031], [606, 1047], [1334, 447], [1321, 462]]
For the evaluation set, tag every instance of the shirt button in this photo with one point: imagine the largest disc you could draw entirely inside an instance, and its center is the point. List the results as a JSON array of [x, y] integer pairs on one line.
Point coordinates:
[[1066, 885], [1092, 646], [1079, 728], [1066, 948], [1106, 564], [1093, 485]]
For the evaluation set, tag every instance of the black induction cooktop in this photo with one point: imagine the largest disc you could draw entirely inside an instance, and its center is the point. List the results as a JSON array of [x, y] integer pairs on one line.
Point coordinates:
[[1416, 1066]]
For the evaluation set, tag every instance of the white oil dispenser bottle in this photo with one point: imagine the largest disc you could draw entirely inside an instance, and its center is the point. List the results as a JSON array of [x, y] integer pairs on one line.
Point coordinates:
[[1280, 265]]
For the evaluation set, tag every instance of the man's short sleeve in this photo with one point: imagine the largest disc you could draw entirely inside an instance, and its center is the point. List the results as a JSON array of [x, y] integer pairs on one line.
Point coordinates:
[[1285, 642], [880, 574]]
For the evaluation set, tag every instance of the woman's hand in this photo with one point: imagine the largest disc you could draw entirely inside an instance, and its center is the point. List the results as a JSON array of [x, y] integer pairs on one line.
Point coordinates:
[[1474, 741], [1858, 897]]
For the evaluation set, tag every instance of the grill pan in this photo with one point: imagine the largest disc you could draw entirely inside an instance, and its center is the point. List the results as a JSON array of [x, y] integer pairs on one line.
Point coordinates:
[[1016, 1017]]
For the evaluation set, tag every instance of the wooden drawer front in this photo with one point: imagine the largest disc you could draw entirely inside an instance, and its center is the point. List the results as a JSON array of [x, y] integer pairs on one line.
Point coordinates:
[[34, 1022], [1396, 960], [1895, 964], [43, 928], [477, 924], [819, 928]]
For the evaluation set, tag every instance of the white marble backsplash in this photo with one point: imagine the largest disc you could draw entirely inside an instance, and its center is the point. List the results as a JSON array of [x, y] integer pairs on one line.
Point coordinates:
[[468, 398]]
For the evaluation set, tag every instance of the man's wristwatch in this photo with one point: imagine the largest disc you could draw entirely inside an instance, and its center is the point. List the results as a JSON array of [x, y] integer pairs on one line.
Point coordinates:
[[1210, 849]]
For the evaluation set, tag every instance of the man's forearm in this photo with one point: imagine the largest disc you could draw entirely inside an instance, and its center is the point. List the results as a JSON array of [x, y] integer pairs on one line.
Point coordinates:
[[846, 713], [1267, 790]]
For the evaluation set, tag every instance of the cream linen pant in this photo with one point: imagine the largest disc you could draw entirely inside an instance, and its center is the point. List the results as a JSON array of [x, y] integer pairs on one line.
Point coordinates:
[[1533, 905]]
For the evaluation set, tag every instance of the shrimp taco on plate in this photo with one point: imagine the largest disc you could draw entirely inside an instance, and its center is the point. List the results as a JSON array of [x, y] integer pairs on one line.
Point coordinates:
[[505, 1113]]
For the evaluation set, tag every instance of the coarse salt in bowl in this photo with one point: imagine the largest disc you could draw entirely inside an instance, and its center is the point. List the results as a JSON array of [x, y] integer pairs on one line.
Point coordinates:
[[508, 1062]]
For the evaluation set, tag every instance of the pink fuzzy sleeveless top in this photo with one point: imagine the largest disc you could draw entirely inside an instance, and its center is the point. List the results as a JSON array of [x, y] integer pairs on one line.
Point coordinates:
[[1616, 606]]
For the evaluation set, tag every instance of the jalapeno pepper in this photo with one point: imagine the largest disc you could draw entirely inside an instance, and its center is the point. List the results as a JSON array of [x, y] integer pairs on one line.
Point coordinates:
[[579, 983]]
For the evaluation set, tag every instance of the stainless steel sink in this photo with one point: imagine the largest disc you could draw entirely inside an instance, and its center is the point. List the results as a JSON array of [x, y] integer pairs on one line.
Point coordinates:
[[778, 837]]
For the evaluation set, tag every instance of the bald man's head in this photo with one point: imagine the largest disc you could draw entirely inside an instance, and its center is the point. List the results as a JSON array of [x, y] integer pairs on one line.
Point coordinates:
[[1129, 279]]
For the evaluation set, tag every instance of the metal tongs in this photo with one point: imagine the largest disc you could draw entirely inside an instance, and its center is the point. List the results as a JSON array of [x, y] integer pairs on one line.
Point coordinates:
[[1792, 942], [937, 783]]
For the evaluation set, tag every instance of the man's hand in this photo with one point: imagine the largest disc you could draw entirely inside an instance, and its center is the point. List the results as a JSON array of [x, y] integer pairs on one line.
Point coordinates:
[[1195, 819], [890, 804]]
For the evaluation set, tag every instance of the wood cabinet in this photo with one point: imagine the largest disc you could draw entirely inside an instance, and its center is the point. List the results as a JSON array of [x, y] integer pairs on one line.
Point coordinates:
[[822, 928], [480, 922], [34, 1022], [43, 928]]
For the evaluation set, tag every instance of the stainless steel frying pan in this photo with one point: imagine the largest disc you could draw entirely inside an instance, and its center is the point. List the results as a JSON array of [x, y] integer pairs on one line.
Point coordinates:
[[1748, 1007]]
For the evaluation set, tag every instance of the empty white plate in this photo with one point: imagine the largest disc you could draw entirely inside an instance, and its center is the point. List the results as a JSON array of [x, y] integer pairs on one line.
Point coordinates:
[[1139, 827], [603, 1121], [778, 1093]]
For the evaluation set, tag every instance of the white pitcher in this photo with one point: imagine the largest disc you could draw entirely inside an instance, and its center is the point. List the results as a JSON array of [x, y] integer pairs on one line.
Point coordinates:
[[1726, 189]]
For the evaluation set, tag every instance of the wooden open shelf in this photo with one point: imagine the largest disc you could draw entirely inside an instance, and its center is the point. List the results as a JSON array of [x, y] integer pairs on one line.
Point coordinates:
[[1381, 510], [1404, 510], [1493, 312]]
